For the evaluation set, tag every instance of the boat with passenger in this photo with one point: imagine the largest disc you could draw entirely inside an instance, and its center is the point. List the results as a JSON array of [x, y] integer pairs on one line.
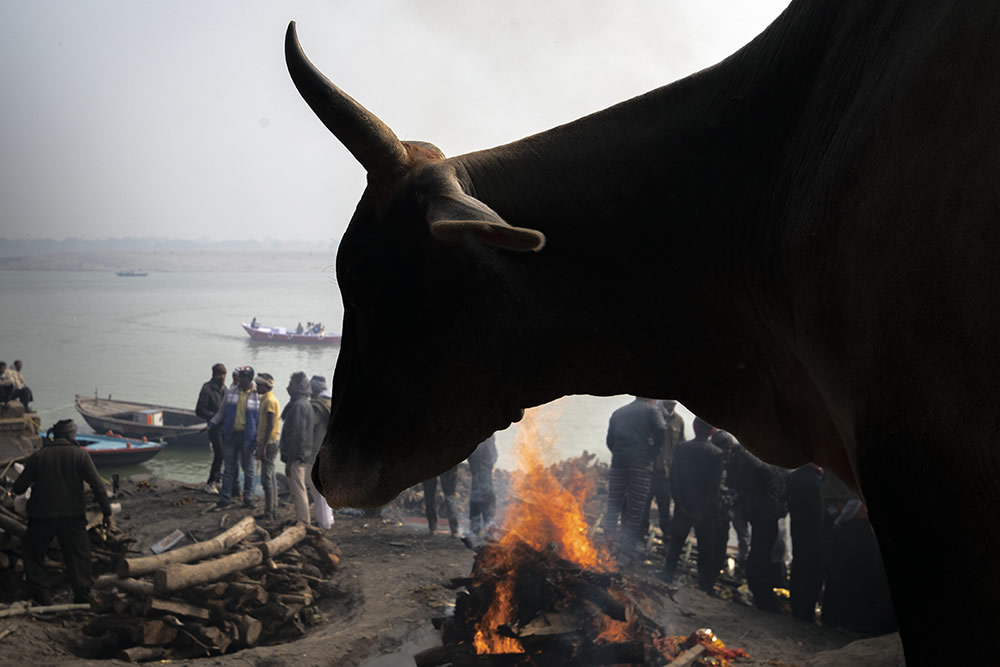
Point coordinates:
[[312, 334]]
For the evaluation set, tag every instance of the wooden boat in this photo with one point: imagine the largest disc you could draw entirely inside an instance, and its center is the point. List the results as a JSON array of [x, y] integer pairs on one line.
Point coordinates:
[[176, 426], [263, 334], [116, 451], [113, 451], [131, 274]]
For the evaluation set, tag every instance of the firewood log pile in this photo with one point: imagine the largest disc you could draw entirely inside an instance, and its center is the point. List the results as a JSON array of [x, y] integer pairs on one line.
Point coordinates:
[[557, 613], [237, 590]]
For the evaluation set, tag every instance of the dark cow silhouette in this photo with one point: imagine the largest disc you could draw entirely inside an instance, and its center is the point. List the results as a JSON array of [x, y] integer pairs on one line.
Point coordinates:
[[825, 208]]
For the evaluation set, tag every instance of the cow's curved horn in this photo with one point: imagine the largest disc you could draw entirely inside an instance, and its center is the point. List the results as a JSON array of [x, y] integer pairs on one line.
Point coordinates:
[[370, 140]]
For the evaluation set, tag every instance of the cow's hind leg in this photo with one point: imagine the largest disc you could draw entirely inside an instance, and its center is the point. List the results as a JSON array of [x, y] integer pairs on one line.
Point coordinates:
[[935, 506]]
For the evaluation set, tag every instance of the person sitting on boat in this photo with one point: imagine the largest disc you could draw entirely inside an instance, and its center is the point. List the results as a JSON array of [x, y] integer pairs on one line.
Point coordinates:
[[57, 508], [253, 323], [299, 329], [13, 385]]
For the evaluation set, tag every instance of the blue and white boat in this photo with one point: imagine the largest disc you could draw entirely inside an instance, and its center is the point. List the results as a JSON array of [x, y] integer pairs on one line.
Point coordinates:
[[112, 451]]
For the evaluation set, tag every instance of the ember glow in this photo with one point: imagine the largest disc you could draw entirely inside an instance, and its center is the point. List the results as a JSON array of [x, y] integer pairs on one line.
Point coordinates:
[[544, 515]]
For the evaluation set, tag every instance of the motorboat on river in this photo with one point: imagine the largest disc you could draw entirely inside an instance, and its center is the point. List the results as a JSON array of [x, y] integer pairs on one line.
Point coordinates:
[[309, 336]]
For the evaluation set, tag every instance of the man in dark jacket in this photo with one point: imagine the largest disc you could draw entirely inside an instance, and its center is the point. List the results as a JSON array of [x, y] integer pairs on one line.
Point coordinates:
[[482, 500], [635, 436], [659, 486], [695, 482], [209, 401], [56, 474], [760, 491], [296, 443]]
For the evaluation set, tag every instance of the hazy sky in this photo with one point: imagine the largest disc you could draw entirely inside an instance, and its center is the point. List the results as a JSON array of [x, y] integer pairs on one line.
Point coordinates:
[[178, 118]]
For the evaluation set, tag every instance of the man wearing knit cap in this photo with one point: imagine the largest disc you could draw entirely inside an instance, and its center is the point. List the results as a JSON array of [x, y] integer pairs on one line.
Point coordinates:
[[267, 442], [56, 474], [296, 442], [321, 404], [238, 415]]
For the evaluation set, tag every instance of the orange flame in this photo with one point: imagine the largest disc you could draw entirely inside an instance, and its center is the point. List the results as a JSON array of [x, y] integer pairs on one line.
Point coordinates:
[[544, 515]]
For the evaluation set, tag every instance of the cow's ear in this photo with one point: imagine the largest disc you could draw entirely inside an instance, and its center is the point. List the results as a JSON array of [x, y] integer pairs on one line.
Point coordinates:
[[454, 215]]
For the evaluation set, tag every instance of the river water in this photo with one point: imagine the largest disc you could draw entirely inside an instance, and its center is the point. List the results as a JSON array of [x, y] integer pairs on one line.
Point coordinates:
[[154, 340]]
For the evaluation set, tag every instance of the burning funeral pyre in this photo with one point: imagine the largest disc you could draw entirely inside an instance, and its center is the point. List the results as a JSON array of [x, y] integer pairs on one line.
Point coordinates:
[[543, 593]]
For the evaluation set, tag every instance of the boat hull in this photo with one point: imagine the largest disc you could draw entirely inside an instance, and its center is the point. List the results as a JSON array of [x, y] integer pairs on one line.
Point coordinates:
[[115, 452], [180, 427], [279, 335]]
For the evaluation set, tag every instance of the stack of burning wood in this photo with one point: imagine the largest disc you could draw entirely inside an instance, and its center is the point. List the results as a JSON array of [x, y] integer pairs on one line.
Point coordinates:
[[528, 606], [237, 590], [106, 547]]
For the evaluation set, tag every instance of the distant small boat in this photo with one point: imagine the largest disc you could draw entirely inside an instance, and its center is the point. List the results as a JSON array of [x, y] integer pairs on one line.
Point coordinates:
[[131, 274], [175, 426], [281, 335], [110, 451]]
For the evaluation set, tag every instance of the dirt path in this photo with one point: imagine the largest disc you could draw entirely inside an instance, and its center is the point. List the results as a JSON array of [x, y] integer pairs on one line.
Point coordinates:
[[390, 586]]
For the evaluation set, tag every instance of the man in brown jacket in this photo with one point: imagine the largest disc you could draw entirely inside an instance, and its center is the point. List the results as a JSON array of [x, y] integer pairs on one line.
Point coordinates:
[[56, 474]]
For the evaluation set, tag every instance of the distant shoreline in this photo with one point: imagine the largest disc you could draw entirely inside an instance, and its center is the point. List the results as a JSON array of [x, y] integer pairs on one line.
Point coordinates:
[[167, 261]]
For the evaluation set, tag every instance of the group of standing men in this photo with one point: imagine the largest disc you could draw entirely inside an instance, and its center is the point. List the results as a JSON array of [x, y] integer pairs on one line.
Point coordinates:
[[246, 425], [714, 482]]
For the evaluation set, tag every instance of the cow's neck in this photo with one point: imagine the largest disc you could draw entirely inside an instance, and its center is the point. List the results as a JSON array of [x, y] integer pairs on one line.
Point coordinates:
[[674, 186]]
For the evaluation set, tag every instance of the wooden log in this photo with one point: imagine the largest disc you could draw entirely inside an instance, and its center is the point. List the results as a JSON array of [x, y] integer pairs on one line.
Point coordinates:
[[253, 594], [37, 609], [130, 567], [687, 657], [211, 637], [249, 629], [288, 538], [210, 591], [178, 575], [12, 525], [600, 597], [155, 633], [327, 551], [142, 654], [154, 605], [137, 586], [304, 599]]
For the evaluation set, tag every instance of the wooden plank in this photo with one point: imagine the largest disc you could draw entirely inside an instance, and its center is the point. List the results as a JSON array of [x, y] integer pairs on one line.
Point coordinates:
[[687, 657], [154, 605]]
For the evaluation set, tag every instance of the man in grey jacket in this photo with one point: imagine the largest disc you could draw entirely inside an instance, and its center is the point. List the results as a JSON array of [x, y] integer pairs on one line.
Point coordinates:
[[296, 443]]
